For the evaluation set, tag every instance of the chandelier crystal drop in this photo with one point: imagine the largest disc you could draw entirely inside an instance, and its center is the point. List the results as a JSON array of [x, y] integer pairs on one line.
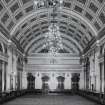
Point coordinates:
[[53, 39]]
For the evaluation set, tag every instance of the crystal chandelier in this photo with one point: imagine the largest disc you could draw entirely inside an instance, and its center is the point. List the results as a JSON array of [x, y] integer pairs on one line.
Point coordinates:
[[53, 39]]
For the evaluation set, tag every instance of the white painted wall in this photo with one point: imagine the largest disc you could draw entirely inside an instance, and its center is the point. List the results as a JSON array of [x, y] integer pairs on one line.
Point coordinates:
[[53, 83], [59, 65]]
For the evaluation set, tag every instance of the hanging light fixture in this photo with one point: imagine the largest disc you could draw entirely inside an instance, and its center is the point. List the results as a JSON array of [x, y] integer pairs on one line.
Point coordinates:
[[53, 39]]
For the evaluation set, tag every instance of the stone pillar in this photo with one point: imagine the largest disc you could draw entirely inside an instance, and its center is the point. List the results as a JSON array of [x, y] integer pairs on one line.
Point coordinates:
[[21, 80], [24, 80], [100, 77], [0, 76], [18, 80], [3, 76], [14, 70], [83, 74], [100, 65], [52, 81], [9, 68], [84, 77], [67, 82], [38, 81], [104, 76], [82, 80], [10, 71]]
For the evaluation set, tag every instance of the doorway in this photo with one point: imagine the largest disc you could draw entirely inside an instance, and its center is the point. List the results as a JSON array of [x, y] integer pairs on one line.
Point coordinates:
[[45, 85], [60, 86], [31, 81], [75, 82]]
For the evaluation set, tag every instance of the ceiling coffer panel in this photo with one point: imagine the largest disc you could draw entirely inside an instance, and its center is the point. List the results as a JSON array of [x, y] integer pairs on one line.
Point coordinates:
[[80, 20], [37, 26]]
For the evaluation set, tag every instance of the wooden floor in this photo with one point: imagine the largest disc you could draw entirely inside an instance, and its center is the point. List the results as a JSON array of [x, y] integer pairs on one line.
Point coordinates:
[[50, 100]]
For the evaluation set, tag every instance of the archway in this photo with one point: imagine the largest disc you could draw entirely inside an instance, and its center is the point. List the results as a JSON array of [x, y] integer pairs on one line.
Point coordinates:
[[75, 81], [31, 81], [45, 85], [60, 86]]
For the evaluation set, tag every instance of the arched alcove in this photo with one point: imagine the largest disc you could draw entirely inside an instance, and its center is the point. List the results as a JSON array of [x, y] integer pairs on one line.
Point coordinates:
[[75, 81], [31, 81], [60, 83], [45, 85]]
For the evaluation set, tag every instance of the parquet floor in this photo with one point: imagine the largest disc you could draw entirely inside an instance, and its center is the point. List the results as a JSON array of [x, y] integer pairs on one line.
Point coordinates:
[[50, 100]]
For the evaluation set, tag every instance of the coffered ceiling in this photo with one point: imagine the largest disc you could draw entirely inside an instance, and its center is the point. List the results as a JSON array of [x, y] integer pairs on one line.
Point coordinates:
[[80, 22]]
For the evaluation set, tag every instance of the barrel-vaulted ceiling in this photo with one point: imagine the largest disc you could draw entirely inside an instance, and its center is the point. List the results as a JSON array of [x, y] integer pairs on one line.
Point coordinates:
[[79, 21]]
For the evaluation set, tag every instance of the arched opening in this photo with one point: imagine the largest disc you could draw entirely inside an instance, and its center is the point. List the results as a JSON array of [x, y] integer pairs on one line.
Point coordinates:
[[60, 86], [31, 81], [75, 82], [45, 85]]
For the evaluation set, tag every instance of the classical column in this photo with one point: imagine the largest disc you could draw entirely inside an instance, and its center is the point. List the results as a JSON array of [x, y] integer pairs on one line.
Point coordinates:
[[67, 82], [87, 73], [84, 71], [38, 81], [9, 69], [104, 76], [100, 77], [0, 76], [84, 77], [3, 76], [82, 80], [24, 80], [20, 80], [100, 65], [52, 82]]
